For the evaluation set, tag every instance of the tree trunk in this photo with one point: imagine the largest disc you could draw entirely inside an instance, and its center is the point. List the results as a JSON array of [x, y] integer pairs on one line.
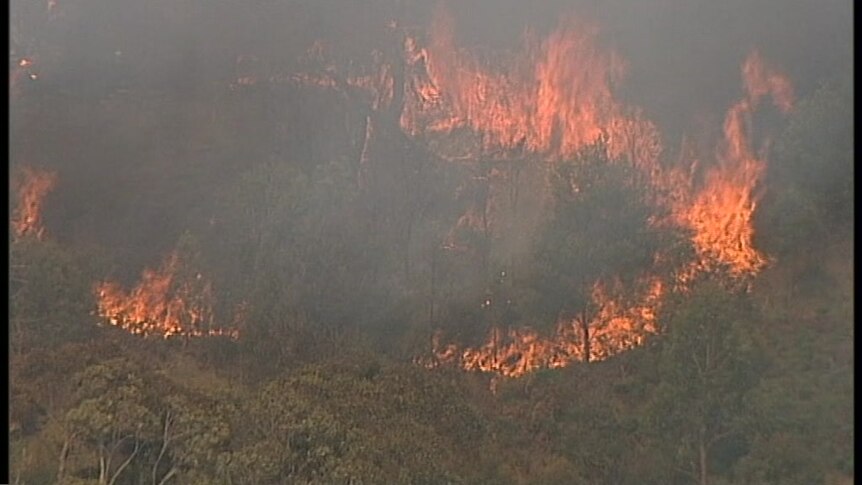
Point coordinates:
[[433, 287], [64, 453], [585, 334], [124, 464], [702, 452], [165, 439], [103, 472], [406, 247]]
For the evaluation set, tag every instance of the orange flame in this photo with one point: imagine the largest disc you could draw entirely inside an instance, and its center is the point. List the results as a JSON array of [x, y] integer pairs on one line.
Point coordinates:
[[614, 329], [721, 212], [33, 186], [720, 215], [161, 304], [552, 98]]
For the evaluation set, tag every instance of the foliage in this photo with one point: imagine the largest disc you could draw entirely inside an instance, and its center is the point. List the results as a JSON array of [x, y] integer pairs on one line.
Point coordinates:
[[50, 295], [811, 176]]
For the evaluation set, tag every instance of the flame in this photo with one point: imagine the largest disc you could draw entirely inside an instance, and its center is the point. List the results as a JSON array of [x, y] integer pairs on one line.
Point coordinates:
[[161, 304], [720, 214], [515, 352], [552, 98], [549, 99], [33, 186]]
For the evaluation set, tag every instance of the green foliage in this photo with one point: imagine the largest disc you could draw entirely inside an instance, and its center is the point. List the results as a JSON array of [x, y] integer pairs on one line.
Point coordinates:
[[366, 423], [811, 173], [708, 364], [50, 296], [113, 418]]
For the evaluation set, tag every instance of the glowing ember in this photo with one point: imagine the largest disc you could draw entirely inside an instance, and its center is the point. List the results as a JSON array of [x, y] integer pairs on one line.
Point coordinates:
[[32, 186], [162, 304], [24, 68]]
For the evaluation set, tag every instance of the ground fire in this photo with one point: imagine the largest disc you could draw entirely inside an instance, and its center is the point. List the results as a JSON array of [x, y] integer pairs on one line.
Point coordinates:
[[166, 303]]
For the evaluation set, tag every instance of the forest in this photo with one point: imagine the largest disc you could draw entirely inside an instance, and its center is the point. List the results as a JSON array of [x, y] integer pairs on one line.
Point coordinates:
[[415, 242]]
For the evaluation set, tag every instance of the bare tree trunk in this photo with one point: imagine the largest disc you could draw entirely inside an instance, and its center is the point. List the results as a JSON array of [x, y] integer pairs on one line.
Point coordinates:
[[64, 454], [433, 286], [702, 452], [103, 472], [484, 196], [585, 334], [165, 439], [125, 464]]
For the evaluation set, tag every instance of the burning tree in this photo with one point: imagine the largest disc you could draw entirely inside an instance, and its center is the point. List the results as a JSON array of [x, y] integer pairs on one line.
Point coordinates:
[[599, 237]]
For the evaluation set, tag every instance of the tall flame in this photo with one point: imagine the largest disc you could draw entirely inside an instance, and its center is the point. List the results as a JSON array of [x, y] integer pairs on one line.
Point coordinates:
[[721, 212], [552, 98], [161, 304], [720, 215], [32, 187]]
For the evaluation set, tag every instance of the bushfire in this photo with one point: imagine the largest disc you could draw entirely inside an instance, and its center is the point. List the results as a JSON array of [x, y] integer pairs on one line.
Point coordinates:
[[32, 187], [551, 98], [556, 97], [548, 100], [720, 212], [167, 302], [515, 352]]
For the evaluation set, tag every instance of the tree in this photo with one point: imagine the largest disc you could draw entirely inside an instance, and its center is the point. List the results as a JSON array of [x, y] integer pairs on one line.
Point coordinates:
[[599, 234], [288, 437], [113, 418], [707, 365], [811, 175], [194, 429], [50, 295]]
